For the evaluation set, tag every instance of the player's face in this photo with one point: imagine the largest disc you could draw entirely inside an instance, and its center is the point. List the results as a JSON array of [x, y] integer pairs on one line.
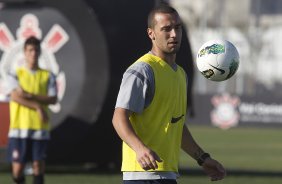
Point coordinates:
[[167, 33], [32, 53]]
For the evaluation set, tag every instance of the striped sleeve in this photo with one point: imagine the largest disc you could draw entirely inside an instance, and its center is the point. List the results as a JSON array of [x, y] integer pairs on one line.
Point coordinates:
[[137, 88]]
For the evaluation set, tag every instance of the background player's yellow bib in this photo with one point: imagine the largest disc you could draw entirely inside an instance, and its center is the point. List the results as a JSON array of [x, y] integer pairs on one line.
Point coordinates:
[[22, 117]]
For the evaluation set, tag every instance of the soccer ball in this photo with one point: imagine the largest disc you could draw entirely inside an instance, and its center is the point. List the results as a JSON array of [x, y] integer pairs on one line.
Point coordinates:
[[218, 60]]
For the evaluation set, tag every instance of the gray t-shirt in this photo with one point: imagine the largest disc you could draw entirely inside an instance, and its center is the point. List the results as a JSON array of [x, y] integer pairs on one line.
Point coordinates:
[[135, 94], [137, 88]]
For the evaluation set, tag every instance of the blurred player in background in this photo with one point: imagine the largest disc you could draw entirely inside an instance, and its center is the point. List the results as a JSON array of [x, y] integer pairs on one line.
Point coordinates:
[[32, 89], [151, 109]]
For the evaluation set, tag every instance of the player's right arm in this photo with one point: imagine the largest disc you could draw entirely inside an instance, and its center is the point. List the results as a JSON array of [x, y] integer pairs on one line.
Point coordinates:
[[145, 156], [42, 99], [50, 98], [16, 97], [20, 99], [17, 94], [133, 97]]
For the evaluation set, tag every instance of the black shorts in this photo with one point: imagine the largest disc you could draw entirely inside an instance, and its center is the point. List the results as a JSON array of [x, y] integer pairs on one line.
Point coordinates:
[[24, 150], [162, 181]]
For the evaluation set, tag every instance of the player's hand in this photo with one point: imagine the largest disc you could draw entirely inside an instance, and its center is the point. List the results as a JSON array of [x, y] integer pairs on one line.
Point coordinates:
[[21, 92], [42, 114], [147, 158], [214, 169]]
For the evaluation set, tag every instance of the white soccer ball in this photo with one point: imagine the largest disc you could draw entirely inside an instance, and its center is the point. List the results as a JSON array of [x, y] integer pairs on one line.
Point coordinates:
[[218, 60]]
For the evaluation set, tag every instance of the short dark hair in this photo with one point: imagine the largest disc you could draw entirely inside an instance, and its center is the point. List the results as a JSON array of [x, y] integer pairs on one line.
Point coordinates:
[[32, 40], [162, 8]]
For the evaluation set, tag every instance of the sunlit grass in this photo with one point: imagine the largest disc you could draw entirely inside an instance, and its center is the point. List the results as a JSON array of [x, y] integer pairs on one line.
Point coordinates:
[[251, 155], [246, 148]]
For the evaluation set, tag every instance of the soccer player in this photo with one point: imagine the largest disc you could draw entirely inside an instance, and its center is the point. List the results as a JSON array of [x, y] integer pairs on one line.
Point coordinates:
[[151, 107], [32, 89]]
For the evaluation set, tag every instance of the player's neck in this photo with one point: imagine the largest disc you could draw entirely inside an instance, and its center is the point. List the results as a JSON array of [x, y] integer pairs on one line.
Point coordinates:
[[167, 57], [32, 66]]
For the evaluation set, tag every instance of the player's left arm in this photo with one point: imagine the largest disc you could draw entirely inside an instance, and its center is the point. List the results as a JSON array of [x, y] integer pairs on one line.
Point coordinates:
[[50, 98], [42, 99], [212, 167], [189, 145]]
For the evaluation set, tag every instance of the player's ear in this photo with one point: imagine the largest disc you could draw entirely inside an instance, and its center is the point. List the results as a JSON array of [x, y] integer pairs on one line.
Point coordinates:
[[151, 34]]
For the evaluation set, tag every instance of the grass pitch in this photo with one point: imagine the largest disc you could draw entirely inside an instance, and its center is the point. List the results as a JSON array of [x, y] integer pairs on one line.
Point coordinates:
[[250, 155], [116, 179], [244, 148]]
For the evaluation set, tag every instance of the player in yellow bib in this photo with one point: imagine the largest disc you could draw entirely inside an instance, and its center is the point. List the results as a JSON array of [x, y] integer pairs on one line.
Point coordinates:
[[32, 89], [151, 109]]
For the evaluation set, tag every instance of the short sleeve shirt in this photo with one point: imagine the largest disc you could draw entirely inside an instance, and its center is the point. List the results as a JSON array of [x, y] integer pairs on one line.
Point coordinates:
[[137, 88]]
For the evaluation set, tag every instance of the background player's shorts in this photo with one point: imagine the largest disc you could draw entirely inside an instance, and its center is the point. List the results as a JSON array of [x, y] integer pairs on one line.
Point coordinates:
[[23, 150]]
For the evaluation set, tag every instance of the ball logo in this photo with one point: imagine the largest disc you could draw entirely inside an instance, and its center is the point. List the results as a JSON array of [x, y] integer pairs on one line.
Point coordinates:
[[233, 67], [225, 114], [220, 70], [13, 56], [213, 49]]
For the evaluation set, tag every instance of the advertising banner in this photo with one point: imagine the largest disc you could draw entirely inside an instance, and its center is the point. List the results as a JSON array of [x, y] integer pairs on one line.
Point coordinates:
[[226, 111]]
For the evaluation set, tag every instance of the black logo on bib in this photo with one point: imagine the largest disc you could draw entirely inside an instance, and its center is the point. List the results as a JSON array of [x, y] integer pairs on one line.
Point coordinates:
[[175, 120]]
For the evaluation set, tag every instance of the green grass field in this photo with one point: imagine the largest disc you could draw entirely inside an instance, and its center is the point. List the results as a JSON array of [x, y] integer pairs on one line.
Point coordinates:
[[251, 155], [245, 148], [116, 179]]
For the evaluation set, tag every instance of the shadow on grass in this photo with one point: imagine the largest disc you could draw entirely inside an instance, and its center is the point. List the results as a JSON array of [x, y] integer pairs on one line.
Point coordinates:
[[182, 171], [101, 170]]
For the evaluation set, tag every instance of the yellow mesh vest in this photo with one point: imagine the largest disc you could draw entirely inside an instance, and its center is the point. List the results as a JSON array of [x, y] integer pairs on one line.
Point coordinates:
[[22, 117], [160, 125]]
